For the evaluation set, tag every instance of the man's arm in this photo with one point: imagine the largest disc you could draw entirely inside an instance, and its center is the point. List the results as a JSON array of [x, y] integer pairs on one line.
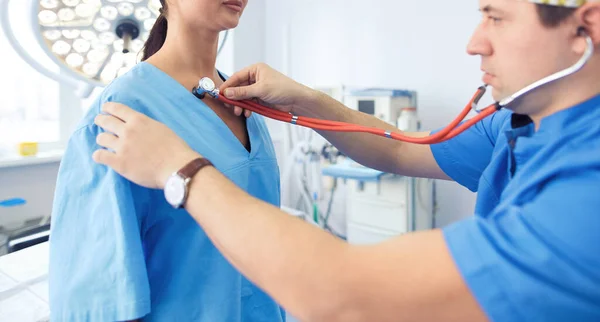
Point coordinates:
[[280, 92], [408, 159], [314, 275], [320, 278]]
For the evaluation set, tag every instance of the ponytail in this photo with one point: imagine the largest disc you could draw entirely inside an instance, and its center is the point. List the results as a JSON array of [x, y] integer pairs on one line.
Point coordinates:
[[158, 34]]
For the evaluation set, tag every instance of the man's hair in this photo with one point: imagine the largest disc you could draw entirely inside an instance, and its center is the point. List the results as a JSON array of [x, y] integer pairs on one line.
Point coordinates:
[[553, 16]]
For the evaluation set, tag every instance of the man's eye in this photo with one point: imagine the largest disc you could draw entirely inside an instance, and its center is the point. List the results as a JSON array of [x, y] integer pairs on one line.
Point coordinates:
[[494, 19]]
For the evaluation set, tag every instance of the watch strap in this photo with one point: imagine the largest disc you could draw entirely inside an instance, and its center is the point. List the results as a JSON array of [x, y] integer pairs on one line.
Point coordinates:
[[190, 169]]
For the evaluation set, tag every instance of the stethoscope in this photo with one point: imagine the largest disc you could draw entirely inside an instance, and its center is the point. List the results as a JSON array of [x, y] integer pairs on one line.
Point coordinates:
[[207, 86]]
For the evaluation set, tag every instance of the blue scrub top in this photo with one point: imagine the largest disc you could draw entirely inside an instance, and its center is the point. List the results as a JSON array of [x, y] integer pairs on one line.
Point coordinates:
[[532, 250], [119, 252]]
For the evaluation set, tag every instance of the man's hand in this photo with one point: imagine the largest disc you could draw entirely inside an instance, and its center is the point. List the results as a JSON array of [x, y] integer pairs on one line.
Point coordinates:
[[140, 149], [268, 86]]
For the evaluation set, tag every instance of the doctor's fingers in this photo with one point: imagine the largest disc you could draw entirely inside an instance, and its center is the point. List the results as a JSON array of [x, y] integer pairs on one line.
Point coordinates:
[[123, 112], [107, 158], [110, 123], [244, 77], [107, 140], [237, 110]]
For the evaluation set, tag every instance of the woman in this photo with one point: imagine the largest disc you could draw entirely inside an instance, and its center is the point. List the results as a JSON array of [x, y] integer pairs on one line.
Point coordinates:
[[119, 251]]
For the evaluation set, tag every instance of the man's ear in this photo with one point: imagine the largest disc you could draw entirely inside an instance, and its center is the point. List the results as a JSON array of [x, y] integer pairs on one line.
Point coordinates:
[[589, 17]]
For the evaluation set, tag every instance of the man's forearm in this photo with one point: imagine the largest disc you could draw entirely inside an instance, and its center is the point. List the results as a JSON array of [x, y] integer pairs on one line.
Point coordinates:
[[251, 233], [320, 278], [370, 150]]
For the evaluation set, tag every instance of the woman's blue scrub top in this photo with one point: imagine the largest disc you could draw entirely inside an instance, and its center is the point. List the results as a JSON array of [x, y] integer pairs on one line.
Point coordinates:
[[119, 252]]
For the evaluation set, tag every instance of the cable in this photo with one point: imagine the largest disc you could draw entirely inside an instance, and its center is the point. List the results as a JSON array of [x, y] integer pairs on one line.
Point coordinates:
[[328, 214], [220, 49]]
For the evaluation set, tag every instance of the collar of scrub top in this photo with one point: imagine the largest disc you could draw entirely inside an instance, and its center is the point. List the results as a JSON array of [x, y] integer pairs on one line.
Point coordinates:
[[207, 86]]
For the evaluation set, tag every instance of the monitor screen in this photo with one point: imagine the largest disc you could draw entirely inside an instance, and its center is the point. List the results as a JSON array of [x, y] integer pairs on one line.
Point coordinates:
[[367, 107]]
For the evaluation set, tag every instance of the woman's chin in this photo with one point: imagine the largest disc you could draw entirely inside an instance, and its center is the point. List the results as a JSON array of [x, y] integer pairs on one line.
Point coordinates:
[[231, 24]]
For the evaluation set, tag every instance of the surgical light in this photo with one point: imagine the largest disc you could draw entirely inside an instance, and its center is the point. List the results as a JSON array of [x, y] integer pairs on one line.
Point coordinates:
[[92, 41]]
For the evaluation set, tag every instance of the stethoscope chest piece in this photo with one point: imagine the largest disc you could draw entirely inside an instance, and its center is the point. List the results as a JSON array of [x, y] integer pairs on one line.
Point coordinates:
[[205, 86]]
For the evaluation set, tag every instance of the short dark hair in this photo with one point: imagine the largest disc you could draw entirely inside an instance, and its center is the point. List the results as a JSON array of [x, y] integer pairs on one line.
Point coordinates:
[[553, 16]]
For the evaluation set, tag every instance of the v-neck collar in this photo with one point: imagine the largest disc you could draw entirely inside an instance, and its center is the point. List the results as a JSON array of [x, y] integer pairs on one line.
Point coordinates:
[[185, 97]]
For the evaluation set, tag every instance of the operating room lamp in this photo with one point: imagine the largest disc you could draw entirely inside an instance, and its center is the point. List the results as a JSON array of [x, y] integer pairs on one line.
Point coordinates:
[[91, 41]]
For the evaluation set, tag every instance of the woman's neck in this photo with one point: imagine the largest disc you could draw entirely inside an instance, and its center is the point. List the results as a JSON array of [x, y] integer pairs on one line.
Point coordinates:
[[188, 56]]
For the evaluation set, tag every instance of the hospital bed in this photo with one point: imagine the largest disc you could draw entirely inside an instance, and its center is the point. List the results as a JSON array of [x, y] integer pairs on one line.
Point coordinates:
[[24, 285], [24, 281]]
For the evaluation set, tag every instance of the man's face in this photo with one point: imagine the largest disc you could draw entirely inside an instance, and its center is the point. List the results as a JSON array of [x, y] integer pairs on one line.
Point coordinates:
[[516, 49]]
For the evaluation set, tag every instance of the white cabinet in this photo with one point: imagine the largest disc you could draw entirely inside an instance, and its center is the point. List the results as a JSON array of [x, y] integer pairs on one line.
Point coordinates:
[[388, 207]]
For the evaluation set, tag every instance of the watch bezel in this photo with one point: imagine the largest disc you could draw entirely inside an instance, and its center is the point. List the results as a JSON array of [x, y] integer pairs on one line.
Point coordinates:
[[183, 182]]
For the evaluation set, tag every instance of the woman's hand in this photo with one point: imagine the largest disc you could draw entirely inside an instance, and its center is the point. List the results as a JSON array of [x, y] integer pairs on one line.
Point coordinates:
[[140, 149]]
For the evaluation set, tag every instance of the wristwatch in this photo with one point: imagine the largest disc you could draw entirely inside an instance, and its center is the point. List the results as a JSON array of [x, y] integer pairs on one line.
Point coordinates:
[[177, 186]]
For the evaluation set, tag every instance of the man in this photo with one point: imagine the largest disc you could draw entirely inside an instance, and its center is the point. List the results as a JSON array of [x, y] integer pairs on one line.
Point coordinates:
[[529, 253]]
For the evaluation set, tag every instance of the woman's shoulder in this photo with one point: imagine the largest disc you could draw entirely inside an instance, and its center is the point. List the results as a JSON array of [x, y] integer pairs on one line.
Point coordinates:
[[129, 86], [128, 89]]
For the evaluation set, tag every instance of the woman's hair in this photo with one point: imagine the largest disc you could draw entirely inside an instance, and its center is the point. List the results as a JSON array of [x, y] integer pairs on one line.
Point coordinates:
[[158, 34]]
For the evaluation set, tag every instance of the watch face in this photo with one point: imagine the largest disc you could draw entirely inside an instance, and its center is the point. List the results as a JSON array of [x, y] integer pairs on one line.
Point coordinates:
[[175, 190]]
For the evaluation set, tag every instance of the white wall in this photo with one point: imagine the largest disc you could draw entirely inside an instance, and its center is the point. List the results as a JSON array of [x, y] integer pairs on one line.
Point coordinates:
[[418, 45], [249, 38]]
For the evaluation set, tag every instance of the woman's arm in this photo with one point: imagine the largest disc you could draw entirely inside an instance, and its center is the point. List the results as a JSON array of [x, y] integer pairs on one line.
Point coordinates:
[[97, 266]]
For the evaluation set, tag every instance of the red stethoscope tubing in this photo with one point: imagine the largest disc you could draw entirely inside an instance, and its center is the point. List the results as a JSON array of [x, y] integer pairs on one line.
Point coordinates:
[[447, 133]]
